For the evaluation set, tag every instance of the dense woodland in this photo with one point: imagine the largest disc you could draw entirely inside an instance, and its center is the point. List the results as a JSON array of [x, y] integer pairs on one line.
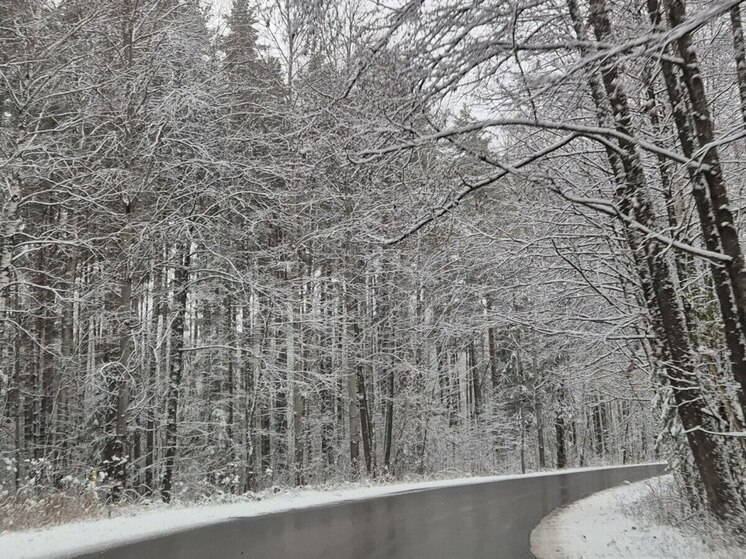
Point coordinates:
[[291, 242]]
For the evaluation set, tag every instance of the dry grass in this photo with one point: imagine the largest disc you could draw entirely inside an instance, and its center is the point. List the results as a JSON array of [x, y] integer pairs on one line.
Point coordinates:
[[666, 505], [49, 510]]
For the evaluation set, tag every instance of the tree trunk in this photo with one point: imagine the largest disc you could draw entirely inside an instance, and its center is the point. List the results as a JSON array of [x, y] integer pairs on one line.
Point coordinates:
[[389, 419], [732, 326], [16, 402], [295, 401], [160, 318], [598, 430], [11, 196], [705, 131], [492, 347], [740, 55], [539, 412], [350, 360], [476, 381], [176, 366], [666, 313], [354, 419], [559, 429], [684, 263], [366, 428]]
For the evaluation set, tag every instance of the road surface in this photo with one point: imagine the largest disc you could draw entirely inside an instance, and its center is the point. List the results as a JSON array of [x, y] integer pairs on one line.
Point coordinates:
[[490, 520]]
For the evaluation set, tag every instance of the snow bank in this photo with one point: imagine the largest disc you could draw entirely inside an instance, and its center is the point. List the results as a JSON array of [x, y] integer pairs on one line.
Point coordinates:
[[86, 536], [619, 523]]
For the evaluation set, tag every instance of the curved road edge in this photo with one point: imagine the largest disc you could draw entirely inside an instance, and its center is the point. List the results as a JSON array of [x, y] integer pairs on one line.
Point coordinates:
[[471, 518]]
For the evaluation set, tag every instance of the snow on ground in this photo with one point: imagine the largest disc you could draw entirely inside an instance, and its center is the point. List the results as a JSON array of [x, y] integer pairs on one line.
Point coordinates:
[[89, 535], [623, 522]]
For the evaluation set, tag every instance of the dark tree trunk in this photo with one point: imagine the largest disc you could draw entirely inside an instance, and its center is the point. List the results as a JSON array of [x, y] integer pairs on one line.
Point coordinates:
[[176, 369], [598, 430], [732, 326], [492, 348], [476, 380], [16, 401], [666, 313], [230, 381], [684, 263], [705, 131], [539, 412], [389, 419], [362, 396], [160, 287], [559, 429], [740, 54]]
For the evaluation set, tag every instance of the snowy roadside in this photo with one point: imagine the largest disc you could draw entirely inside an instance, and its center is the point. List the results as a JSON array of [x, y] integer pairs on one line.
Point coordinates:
[[623, 522], [139, 522]]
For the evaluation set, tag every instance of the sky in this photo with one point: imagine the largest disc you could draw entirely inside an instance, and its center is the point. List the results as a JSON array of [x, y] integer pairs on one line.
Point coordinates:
[[219, 8]]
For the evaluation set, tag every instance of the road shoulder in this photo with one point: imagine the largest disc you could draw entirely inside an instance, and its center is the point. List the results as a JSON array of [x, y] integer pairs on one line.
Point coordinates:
[[627, 521]]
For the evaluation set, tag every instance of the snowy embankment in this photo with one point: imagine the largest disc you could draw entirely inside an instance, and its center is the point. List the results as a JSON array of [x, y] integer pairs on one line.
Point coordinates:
[[623, 522], [139, 523]]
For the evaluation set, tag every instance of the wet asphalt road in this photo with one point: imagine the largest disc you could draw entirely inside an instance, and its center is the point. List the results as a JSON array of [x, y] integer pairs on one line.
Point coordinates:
[[481, 521]]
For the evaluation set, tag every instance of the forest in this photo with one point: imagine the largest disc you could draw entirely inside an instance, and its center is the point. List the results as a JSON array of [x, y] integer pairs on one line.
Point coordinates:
[[270, 243]]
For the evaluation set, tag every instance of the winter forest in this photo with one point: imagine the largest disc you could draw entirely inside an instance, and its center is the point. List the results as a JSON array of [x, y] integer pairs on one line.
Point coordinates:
[[272, 243]]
